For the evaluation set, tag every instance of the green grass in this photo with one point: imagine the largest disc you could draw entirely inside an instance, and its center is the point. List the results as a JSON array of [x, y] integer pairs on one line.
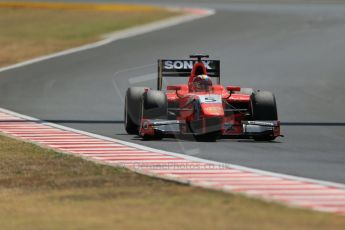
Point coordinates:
[[42, 189], [27, 33]]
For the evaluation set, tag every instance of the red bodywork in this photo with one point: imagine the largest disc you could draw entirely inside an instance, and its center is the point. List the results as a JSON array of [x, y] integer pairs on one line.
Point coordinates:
[[223, 117]]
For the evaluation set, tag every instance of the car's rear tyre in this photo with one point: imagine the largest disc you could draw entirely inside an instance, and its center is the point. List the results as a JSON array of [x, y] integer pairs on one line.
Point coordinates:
[[154, 106], [264, 108], [132, 109]]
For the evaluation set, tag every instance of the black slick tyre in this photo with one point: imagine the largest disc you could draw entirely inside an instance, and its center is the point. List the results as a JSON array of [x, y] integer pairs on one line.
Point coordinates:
[[264, 108], [155, 105], [132, 109]]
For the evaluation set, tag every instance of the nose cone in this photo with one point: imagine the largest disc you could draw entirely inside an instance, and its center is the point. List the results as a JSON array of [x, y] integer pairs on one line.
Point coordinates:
[[212, 109]]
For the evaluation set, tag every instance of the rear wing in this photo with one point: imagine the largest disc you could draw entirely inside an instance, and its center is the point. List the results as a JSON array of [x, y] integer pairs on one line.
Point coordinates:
[[183, 68]]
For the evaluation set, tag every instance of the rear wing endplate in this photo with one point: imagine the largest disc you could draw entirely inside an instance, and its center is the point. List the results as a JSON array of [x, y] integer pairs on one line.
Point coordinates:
[[183, 68]]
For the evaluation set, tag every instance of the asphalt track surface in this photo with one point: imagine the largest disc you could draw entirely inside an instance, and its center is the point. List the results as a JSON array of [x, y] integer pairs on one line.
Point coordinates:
[[295, 50]]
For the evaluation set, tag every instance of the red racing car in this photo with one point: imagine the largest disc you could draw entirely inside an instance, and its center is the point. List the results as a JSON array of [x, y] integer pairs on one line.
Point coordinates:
[[200, 108]]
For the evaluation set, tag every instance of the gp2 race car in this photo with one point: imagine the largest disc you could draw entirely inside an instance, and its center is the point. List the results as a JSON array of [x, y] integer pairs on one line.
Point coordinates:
[[200, 108]]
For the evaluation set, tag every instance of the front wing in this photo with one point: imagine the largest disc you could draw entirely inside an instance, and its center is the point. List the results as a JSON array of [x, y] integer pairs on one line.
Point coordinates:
[[247, 129]]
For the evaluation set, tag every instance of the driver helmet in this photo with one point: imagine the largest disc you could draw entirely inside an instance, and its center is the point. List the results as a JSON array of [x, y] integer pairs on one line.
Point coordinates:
[[202, 83]]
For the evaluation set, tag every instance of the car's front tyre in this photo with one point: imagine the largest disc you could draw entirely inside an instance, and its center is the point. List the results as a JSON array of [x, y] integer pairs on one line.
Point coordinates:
[[132, 109], [264, 108]]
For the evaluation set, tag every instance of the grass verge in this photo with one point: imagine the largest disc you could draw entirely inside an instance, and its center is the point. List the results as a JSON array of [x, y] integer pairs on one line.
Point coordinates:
[[42, 189], [26, 33]]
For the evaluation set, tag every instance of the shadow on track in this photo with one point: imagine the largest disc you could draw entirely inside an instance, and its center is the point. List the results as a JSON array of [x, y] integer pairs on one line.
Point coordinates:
[[312, 123]]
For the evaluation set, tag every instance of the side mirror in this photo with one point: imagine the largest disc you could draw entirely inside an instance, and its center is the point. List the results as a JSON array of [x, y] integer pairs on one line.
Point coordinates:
[[173, 87], [232, 88]]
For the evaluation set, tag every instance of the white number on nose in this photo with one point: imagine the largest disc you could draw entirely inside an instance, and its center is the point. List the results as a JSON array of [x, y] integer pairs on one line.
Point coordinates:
[[210, 98]]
